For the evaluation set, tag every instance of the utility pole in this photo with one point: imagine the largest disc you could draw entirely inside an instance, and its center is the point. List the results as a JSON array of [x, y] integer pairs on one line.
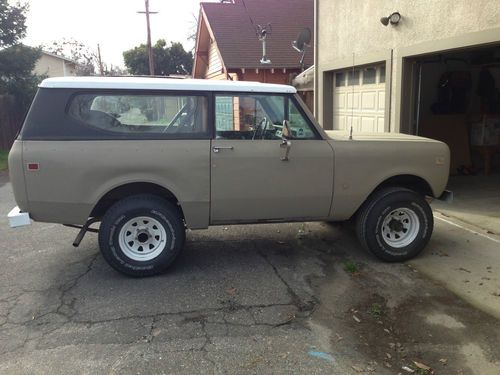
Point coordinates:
[[101, 67], [147, 12]]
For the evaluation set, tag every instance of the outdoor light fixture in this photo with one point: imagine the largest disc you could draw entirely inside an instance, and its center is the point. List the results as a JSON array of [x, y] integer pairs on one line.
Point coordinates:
[[394, 19]]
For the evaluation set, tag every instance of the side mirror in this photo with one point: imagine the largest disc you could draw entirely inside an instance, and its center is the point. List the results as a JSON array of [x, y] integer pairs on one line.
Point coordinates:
[[287, 133]]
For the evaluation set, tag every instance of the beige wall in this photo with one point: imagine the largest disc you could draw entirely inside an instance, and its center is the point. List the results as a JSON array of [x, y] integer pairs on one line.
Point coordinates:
[[52, 66], [351, 30]]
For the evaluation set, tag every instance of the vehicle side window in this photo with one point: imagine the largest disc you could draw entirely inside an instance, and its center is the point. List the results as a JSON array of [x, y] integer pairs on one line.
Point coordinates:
[[299, 125], [142, 114], [254, 117], [249, 117]]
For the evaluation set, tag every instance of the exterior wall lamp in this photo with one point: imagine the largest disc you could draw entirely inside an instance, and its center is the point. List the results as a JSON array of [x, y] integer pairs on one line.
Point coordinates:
[[393, 19]]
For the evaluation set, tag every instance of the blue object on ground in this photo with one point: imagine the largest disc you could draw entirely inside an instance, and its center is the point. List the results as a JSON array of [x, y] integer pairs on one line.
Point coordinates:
[[322, 355]]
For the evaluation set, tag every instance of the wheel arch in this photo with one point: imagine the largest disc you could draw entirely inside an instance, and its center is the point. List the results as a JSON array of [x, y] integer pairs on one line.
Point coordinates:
[[129, 189], [408, 181]]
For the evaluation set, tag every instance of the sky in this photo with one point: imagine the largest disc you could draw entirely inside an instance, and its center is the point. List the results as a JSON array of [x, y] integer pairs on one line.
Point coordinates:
[[114, 24]]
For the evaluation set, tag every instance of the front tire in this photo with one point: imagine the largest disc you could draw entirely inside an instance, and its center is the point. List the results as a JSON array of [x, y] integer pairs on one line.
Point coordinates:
[[141, 235], [395, 224]]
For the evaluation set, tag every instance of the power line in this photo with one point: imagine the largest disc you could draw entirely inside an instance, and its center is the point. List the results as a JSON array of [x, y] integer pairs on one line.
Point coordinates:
[[250, 18]]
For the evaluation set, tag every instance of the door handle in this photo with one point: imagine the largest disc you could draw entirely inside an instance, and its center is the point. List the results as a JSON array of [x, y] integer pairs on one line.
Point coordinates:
[[216, 149], [286, 144]]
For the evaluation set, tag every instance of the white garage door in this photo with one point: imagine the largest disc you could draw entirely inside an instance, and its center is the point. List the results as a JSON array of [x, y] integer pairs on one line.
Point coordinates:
[[359, 97]]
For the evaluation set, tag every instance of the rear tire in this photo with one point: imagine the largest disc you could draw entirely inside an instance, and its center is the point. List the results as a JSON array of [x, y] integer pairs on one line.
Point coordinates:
[[395, 224], [141, 235]]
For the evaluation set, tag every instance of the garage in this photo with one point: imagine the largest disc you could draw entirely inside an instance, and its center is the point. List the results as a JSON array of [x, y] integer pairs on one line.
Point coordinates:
[[455, 98], [359, 99]]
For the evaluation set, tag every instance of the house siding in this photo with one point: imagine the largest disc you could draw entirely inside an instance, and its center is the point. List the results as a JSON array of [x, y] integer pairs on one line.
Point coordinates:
[[214, 62], [52, 66]]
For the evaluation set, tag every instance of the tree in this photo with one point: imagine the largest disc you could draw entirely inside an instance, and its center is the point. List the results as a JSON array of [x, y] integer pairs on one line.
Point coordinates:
[[12, 23], [114, 70], [16, 61], [168, 60], [16, 73], [85, 58]]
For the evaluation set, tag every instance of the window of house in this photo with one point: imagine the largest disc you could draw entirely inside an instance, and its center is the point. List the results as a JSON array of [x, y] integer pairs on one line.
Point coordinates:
[[340, 79], [381, 74], [369, 76], [353, 78], [258, 117], [142, 114]]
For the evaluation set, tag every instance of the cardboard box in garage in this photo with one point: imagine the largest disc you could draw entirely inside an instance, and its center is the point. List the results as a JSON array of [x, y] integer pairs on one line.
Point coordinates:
[[486, 132], [452, 130]]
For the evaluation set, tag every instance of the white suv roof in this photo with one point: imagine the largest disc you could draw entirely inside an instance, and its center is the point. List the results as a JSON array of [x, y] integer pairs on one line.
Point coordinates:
[[145, 83]]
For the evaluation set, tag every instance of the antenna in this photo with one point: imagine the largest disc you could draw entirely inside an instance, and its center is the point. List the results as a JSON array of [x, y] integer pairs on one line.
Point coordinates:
[[301, 43], [352, 100], [263, 32]]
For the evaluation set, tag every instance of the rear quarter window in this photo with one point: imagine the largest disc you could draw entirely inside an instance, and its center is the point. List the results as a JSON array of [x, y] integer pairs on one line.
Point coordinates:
[[141, 114]]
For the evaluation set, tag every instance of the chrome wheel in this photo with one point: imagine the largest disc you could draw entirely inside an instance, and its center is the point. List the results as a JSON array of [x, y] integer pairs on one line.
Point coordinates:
[[142, 238], [400, 227]]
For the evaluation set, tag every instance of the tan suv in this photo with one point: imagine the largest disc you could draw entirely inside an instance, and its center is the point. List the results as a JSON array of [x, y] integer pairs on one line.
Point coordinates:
[[149, 157]]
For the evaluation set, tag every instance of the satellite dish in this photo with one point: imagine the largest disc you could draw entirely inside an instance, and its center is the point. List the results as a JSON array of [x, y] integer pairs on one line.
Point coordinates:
[[301, 44], [303, 40]]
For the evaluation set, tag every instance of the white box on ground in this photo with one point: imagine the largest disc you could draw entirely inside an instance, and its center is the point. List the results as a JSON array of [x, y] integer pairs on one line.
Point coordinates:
[[18, 218]]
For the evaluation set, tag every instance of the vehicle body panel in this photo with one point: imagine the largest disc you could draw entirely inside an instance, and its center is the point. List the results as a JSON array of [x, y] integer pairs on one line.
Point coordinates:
[[366, 161], [74, 175], [250, 182], [16, 174]]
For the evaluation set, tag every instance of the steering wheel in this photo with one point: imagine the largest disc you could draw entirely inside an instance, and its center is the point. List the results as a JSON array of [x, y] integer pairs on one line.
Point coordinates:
[[262, 122]]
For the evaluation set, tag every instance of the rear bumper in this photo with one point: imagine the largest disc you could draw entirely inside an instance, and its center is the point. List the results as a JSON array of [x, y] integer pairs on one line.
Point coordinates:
[[446, 196], [18, 218]]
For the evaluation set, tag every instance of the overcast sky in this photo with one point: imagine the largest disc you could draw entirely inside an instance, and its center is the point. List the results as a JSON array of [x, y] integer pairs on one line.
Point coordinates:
[[114, 24]]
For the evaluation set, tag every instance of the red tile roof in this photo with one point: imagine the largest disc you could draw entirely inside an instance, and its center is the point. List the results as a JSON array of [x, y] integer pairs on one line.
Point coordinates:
[[235, 34]]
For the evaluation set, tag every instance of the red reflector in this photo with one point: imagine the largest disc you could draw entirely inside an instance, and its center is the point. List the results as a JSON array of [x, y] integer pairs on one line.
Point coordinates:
[[33, 166]]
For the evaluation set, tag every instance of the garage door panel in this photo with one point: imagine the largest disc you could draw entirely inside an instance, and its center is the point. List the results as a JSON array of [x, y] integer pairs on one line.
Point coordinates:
[[369, 100], [353, 100], [368, 124], [339, 101], [380, 124], [356, 123], [363, 105], [339, 122], [381, 100]]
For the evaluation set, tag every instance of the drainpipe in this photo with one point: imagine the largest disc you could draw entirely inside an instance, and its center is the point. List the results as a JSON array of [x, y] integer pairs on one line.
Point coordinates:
[[316, 70]]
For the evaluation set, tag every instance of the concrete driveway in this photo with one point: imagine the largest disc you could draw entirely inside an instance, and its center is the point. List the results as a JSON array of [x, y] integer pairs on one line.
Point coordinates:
[[281, 299]]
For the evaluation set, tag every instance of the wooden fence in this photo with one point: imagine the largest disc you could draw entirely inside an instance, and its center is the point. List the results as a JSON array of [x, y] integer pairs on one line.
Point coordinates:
[[10, 121]]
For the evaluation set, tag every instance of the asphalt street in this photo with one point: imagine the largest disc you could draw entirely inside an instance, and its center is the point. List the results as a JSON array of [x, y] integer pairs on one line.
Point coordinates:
[[258, 299]]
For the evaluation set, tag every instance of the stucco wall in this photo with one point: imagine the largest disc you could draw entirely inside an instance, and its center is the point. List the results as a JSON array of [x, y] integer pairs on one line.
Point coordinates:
[[351, 30]]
